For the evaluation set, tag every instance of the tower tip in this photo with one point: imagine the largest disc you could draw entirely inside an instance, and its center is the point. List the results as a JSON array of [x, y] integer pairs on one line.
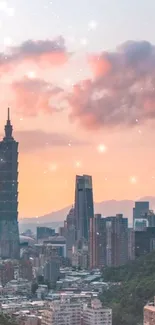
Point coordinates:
[[8, 126], [8, 113]]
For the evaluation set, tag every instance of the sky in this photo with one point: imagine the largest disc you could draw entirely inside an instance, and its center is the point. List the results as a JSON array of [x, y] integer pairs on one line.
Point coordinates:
[[79, 77]]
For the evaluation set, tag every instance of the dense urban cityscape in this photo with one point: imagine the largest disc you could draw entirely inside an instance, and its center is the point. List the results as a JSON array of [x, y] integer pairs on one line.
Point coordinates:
[[54, 277], [77, 172]]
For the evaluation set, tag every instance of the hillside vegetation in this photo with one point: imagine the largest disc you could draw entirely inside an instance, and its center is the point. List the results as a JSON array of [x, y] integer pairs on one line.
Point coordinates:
[[5, 320], [137, 287]]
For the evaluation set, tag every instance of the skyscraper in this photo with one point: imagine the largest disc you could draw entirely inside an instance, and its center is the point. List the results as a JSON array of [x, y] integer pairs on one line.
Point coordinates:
[[140, 209], [144, 241], [97, 242], [84, 206], [70, 232], [9, 233], [139, 215], [117, 240], [108, 244], [131, 244]]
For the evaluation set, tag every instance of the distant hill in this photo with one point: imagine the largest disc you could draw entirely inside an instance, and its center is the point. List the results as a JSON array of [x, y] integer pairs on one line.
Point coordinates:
[[106, 208], [136, 290]]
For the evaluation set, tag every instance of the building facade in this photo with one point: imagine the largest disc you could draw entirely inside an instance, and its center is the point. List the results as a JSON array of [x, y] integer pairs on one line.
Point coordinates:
[[139, 211], [149, 314], [70, 232], [144, 241], [6, 272], [117, 240], [97, 242], [95, 314], [9, 233], [64, 312], [84, 206], [52, 270], [108, 244], [44, 233], [131, 244], [151, 219]]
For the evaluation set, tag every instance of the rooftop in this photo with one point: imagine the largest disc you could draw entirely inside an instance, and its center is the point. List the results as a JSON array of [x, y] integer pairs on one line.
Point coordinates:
[[93, 277], [150, 308]]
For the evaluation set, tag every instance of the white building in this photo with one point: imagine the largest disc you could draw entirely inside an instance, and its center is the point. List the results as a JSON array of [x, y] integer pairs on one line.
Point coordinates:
[[62, 312], [96, 314], [21, 285], [27, 319], [22, 307], [149, 314]]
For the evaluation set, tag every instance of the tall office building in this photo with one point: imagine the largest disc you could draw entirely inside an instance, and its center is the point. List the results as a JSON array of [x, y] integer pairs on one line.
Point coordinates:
[[139, 215], [84, 206], [9, 233]]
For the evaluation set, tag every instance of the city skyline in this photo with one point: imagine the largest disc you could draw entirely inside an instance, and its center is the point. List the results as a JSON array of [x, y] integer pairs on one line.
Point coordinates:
[[69, 130]]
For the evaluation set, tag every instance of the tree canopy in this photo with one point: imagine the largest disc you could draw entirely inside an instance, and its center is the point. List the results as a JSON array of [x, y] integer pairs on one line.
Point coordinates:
[[136, 288], [6, 320]]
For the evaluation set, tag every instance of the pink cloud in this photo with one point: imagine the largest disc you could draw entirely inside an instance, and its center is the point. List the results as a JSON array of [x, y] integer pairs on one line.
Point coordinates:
[[35, 95], [122, 90], [44, 53]]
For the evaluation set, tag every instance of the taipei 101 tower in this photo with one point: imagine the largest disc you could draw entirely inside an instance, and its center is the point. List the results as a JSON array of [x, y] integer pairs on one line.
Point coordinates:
[[9, 233]]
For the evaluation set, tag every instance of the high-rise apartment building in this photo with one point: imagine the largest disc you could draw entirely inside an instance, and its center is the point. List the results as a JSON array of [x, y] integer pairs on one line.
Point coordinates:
[[25, 269], [70, 232], [84, 206], [70, 219], [151, 219], [80, 257], [97, 242], [52, 270], [6, 272], [95, 314], [117, 240], [131, 244], [108, 242], [64, 312], [144, 241], [9, 233]]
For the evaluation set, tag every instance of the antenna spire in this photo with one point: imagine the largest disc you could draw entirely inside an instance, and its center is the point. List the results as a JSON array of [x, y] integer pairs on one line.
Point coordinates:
[[8, 113], [8, 127]]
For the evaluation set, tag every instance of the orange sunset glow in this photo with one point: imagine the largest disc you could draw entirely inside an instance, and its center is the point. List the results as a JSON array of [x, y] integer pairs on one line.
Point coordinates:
[[78, 109]]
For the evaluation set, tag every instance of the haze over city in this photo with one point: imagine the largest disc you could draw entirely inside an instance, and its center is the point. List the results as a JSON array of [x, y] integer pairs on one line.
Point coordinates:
[[79, 80]]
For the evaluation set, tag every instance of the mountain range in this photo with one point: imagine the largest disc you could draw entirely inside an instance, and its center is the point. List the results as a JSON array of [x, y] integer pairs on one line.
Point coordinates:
[[106, 208]]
